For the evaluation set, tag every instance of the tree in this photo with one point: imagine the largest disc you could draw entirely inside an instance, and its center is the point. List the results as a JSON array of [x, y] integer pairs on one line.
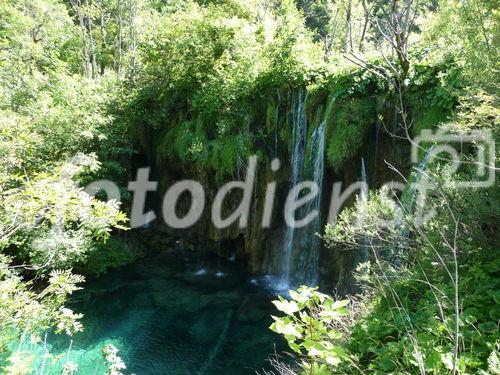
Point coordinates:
[[469, 31], [47, 223]]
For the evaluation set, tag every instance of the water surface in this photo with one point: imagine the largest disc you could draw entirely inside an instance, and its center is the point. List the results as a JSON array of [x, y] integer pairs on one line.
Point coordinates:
[[175, 314]]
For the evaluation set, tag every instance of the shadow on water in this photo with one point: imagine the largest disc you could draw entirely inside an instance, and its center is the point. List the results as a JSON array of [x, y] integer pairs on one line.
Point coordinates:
[[175, 314]]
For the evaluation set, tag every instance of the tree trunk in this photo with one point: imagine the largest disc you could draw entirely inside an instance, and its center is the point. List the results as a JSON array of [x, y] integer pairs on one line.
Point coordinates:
[[102, 25], [132, 15], [348, 43], [77, 6], [119, 51], [367, 14], [91, 40]]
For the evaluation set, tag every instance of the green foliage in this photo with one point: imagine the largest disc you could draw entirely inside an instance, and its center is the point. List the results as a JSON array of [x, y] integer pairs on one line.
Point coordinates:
[[41, 99], [433, 93], [52, 222], [306, 327], [478, 110], [469, 31], [317, 16], [36, 39], [351, 124], [352, 100], [416, 328], [110, 254], [366, 220], [25, 314], [428, 118], [31, 313], [43, 132], [51, 121], [447, 266], [44, 213], [113, 362], [357, 100], [292, 56], [204, 67], [436, 85]]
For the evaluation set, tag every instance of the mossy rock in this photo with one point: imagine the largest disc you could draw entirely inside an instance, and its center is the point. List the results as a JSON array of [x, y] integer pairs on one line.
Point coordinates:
[[347, 128]]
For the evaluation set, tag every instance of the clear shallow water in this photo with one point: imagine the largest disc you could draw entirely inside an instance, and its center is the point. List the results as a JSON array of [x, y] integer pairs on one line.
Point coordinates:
[[170, 314]]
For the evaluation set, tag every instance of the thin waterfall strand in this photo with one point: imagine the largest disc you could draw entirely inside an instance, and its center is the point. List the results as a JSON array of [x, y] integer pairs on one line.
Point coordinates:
[[308, 269]]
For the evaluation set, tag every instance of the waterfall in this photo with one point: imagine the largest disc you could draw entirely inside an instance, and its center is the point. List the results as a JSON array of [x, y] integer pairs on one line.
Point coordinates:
[[299, 131], [309, 242], [411, 199], [416, 180], [364, 197], [276, 116], [300, 251], [364, 180], [149, 219]]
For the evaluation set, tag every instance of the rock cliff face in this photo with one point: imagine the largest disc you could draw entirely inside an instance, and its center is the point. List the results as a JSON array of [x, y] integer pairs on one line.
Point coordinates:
[[290, 125]]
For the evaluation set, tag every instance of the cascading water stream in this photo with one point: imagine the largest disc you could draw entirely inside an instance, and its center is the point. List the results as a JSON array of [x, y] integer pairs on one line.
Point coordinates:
[[416, 187], [364, 180], [377, 140], [309, 242], [276, 117], [299, 131], [219, 272], [364, 198], [300, 252], [413, 197]]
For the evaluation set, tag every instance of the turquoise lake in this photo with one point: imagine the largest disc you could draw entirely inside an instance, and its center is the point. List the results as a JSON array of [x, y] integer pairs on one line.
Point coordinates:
[[175, 314]]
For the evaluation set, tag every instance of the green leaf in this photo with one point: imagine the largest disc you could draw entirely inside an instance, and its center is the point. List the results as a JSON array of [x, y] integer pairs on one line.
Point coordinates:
[[288, 307], [339, 304]]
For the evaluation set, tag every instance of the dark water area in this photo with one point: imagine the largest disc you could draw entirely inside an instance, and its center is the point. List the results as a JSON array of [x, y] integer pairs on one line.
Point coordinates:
[[175, 314]]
